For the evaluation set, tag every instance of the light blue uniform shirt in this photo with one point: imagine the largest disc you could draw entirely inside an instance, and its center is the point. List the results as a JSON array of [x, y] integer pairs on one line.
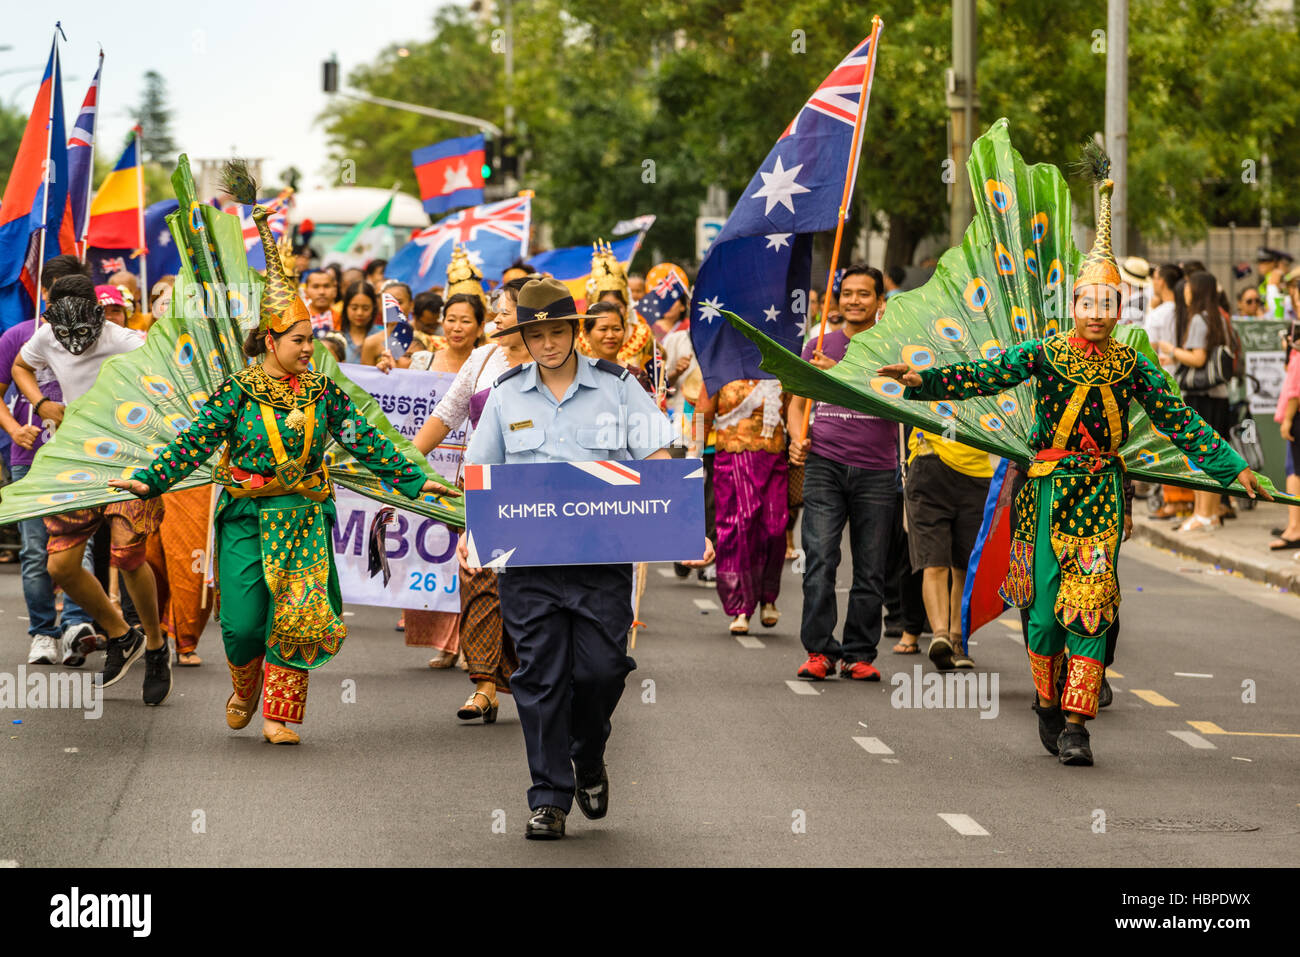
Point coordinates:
[[602, 417]]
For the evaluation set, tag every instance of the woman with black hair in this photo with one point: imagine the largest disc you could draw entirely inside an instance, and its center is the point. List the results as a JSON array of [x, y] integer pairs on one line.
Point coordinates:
[[1201, 334], [606, 330]]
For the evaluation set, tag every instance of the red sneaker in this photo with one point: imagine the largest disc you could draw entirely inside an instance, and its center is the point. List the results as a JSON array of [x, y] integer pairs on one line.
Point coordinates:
[[817, 667], [859, 671]]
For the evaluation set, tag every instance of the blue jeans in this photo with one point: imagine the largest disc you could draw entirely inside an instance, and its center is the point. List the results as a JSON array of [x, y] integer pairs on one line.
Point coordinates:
[[38, 589], [865, 499]]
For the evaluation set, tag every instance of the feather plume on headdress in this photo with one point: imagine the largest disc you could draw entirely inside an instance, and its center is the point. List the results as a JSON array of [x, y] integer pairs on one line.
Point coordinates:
[[1099, 265], [281, 308]]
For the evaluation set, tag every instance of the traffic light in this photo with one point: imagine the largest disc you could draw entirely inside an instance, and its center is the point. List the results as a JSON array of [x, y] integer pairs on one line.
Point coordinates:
[[330, 75], [508, 157], [489, 158]]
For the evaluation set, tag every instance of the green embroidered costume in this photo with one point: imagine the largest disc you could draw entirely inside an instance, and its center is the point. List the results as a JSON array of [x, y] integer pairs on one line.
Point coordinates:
[[1070, 514], [275, 558]]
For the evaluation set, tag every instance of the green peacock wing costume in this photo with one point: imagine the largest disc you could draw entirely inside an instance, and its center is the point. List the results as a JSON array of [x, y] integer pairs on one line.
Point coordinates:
[[1009, 282], [143, 399]]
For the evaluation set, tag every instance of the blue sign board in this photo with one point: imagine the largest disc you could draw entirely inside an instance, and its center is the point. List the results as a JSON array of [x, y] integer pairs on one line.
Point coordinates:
[[584, 513]]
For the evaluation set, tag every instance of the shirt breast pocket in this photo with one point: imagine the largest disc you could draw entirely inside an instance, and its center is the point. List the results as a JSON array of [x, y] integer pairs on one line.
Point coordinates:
[[602, 443], [522, 445]]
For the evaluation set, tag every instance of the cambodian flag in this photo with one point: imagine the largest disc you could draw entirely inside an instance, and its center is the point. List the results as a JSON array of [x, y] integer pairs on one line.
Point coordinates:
[[450, 173], [760, 266], [81, 155], [35, 201]]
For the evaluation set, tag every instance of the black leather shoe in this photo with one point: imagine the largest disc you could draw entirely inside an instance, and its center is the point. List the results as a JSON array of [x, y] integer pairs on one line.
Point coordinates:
[[1104, 695], [1073, 745], [1051, 722], [592, 792], [546, 824]]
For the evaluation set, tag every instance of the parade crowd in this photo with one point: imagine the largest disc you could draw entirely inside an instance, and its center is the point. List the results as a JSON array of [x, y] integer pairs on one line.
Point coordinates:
[[912, 500]]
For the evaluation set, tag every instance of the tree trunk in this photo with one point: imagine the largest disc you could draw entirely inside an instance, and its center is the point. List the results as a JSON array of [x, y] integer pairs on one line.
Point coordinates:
[[904, 234]]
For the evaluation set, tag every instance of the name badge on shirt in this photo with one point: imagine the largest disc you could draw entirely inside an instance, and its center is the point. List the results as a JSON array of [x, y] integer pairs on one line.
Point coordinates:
[[516, 426]]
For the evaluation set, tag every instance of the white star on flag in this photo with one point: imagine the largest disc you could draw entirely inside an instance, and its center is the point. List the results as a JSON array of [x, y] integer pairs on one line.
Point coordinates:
[[779, 186], [476, 257], [777, 240], [710, 309], [164, 238], [772, 313], [802, 326], [457, 178]]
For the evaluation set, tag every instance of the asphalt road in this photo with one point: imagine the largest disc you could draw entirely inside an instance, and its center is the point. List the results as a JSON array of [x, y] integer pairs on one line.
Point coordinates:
[[718, 757]]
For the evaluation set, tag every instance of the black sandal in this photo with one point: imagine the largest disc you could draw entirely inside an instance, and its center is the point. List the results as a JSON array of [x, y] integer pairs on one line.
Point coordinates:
[[1287, 543], [469, 710]]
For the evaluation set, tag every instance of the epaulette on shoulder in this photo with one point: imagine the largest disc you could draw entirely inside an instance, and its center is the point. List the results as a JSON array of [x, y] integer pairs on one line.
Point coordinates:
[[613, 368], [507, 374]]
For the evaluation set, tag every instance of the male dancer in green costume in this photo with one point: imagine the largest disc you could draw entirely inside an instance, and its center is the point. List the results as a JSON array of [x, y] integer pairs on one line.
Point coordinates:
[[1070, 514]]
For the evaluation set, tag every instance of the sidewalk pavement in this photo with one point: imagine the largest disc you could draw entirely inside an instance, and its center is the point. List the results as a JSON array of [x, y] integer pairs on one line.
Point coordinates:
[[1239, 546]]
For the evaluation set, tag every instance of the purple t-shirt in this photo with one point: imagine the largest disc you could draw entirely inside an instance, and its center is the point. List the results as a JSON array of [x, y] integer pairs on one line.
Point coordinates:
[[12, 341], [843, 435]]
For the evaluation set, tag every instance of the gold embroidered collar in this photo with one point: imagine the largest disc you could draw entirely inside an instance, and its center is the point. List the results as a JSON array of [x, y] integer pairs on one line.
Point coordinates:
[[1075, 367], [261, 387]]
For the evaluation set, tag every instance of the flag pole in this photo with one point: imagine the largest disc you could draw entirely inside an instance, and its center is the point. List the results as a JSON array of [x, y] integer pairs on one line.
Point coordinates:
[[45, 187], [876, 24], [139, 204], [90, 173]]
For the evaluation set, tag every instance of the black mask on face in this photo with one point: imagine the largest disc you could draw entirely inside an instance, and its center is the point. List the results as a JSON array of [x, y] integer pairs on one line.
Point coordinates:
[[76, 322]]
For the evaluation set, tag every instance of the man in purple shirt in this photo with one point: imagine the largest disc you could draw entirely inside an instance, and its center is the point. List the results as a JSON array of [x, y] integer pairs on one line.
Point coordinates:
[[850, 464], [49, 646]]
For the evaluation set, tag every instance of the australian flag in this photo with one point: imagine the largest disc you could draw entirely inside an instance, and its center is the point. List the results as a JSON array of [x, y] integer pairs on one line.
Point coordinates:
[[663, 296], [760, 266], [494, 236]]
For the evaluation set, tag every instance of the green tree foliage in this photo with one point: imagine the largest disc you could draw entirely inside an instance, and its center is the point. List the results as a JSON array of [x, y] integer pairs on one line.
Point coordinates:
[[633, 108], [154, 118], [12, 124]]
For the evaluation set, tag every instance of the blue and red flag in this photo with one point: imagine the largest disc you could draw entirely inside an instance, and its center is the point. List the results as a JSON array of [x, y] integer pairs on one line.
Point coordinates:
[[81, 155], [450, 173], [494, 236], [760, 266], [35, 205], [981, 597]]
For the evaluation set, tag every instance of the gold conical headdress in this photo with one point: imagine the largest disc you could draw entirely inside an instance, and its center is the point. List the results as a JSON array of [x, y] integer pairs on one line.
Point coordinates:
[[1099, 265], [606, 273], [463, 276], [281, 307]]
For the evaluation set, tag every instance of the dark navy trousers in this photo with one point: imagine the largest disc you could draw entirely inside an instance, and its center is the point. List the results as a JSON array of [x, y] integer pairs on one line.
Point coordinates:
[[569, 624]]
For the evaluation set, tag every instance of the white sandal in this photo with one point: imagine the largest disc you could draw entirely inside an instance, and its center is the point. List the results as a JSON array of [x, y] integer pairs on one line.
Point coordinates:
[[1198, 523]]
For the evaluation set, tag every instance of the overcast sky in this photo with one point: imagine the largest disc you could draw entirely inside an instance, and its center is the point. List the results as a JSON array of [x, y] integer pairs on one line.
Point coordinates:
[[241, 75]]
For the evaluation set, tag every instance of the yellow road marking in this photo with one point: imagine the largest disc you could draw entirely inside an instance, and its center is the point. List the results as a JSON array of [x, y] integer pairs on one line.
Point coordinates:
[[1154, 697], [1012, 623], [1209, 727], [1112, 673]]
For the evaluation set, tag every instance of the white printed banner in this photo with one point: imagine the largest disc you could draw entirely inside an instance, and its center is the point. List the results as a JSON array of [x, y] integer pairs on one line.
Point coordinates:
[[421, 551], [408, 397], [1269, 370]]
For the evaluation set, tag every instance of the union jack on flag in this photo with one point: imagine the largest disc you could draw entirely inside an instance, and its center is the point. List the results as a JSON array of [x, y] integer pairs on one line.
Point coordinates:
[[494, 235], [112, 264], [278, 223], [837, 97]]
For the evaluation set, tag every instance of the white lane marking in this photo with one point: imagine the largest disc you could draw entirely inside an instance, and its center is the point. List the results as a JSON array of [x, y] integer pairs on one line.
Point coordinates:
[[1190, 674], [666, 573], [706, 604], [874, 746], [1235, 758], [1194, 739], [801, 687], [964, 824], [8, 863], [747, 642], [890, 761], [71, 750], [348, 614]]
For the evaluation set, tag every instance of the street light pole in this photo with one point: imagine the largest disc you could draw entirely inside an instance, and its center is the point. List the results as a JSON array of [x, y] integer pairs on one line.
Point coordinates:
[[963, 105], [485, 125], [1117, 120]]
